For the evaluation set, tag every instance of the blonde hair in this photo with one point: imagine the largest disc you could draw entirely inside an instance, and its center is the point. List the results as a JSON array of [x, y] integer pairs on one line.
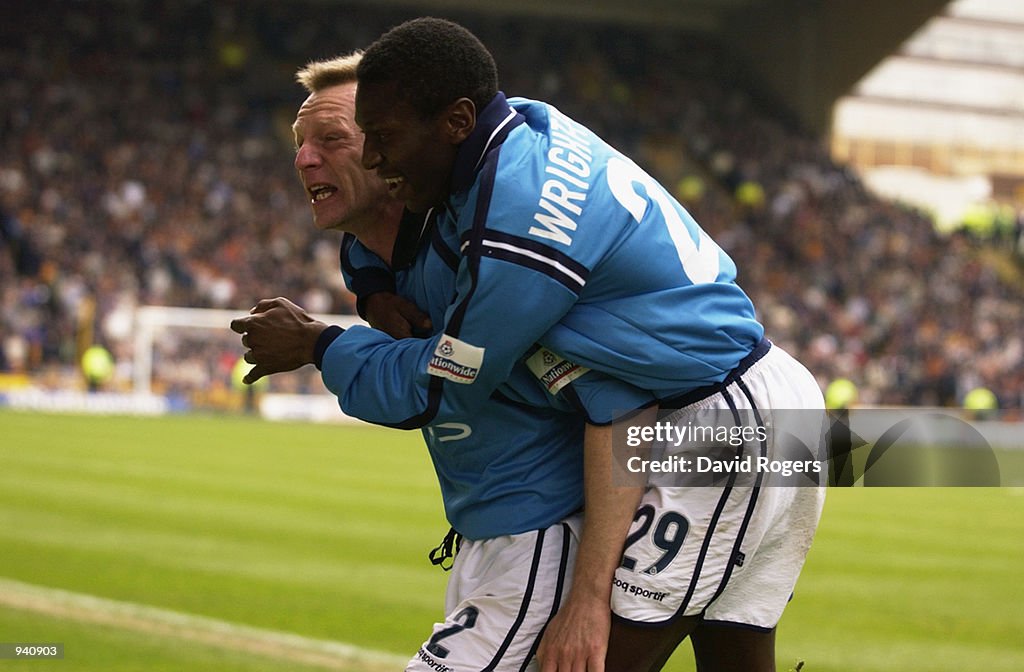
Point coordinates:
[[318, 75]]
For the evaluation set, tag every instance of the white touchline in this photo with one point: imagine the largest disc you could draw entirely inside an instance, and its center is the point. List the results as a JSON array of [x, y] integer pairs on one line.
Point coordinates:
[[179, 625]]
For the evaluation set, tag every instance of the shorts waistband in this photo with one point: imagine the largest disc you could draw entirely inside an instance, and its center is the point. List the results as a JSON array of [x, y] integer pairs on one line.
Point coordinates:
[[702, 393]]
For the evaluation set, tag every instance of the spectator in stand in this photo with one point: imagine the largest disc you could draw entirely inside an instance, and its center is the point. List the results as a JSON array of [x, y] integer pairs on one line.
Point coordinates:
[[136, 160]]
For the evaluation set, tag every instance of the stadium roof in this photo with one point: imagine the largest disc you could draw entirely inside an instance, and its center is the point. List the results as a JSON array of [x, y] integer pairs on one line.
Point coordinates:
[[960, 79], [807, 53], [701, 15], [941, 121]]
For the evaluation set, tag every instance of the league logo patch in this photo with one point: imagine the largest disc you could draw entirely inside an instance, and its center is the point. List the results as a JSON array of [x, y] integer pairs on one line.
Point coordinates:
[[554, 371], [457, 361]]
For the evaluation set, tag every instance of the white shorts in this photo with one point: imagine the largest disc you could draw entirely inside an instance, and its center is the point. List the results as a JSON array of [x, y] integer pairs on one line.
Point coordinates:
[[501, 594], [730, 551]]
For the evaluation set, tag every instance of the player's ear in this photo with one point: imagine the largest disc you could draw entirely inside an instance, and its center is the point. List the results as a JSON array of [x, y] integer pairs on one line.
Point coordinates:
[[459, 120]]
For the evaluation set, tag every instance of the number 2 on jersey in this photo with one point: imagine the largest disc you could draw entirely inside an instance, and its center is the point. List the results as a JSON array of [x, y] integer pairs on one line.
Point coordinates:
[[699, 260], [468, 618]]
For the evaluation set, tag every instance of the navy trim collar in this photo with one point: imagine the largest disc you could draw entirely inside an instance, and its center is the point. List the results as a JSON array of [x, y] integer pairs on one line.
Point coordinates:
[[412, 231], [493, 125]]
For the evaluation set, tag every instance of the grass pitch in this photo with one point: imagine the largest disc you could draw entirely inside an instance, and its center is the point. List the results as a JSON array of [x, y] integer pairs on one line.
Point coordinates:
[[322, 531]]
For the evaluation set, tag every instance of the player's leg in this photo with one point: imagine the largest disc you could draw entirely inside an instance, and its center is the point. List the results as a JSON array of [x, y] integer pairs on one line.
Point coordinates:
[[726, 551], [738, 628], [678, 557], [644, 648], [727, 647], [501, 594], [717, 647]]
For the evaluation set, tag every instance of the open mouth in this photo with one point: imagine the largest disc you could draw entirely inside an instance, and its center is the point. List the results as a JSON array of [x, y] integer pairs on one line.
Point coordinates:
[[320, 192], [394, 183]]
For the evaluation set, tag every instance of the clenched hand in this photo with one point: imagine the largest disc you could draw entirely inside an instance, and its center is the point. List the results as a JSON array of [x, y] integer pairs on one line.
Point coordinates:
[[278, 336]]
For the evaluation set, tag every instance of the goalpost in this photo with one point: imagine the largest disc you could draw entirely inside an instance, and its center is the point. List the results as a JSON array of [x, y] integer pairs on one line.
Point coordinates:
[[150, 321]]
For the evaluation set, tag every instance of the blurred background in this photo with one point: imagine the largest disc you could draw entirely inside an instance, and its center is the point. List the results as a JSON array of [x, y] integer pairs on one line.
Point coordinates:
[[863, 162]]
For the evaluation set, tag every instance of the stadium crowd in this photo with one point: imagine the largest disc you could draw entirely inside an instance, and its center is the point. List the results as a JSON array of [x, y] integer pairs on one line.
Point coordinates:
[[145, 159]]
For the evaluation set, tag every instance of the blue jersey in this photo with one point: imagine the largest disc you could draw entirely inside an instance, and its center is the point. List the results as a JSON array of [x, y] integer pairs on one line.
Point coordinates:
[[562, 241], [515, 464]]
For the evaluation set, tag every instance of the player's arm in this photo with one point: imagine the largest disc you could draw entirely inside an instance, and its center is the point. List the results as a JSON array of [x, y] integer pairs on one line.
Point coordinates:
[[577, 637], [411, 382], [497, 315]]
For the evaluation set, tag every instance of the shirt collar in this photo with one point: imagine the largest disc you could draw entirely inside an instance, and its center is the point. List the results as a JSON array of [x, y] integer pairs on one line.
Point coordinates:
[[493, 125], [412, 231]]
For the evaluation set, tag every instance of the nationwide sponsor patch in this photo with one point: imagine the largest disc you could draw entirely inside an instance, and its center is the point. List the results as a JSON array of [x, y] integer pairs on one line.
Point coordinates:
[[554, 372], [455, 360]]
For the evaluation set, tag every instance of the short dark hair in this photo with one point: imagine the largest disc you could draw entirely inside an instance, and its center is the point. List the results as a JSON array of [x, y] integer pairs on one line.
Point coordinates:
[[434, 62]]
